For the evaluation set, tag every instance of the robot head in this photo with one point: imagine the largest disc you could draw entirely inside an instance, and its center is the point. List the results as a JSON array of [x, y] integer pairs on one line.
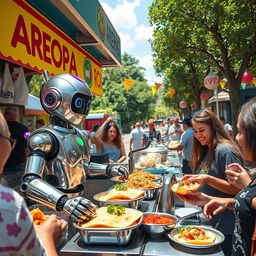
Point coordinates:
[[67, 97]]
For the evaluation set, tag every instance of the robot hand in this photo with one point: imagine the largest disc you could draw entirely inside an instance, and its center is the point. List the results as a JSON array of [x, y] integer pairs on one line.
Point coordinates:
[[119, 170], [79, 209]]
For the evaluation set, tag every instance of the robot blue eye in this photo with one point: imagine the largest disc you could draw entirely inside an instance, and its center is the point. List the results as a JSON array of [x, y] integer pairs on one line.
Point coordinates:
[[78, 102]]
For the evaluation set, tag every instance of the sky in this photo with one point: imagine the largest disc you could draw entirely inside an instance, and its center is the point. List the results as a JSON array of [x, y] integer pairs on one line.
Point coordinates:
[[130, 19]]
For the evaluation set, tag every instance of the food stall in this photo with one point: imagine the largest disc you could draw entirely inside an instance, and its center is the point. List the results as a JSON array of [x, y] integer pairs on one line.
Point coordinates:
[[76, 37], [143, 242], [65, 36]]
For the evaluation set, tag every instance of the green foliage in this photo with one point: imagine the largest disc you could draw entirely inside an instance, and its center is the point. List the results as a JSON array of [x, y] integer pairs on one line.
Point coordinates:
[[133, 105], [35, 84], [216, 33], [160, 113]]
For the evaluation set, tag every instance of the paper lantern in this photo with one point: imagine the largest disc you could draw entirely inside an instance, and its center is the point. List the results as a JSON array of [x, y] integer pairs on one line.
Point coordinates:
[[247, 77], [211, 81], [203, 96], [183, 104]]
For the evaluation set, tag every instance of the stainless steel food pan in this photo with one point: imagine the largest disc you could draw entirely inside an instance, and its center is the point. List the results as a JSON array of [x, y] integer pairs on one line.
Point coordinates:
[[150, 192], [120, 236], [134, 203], [116, 179]]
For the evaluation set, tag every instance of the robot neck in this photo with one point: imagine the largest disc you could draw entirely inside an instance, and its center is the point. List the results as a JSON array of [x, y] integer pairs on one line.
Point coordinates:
[[59, 122]]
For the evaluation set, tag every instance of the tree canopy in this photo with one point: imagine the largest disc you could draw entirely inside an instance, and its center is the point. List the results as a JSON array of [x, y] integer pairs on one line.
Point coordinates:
[[133, 105], [219, 32]]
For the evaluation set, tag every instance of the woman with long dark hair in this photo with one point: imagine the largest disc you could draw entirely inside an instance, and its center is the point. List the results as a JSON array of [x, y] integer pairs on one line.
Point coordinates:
[[108, 139], [244, 203], [212, 151]]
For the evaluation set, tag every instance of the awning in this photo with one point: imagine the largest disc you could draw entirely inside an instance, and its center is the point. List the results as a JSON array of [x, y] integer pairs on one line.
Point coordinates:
[[34, 106], [53, 37], [87, 24], [222, 96]]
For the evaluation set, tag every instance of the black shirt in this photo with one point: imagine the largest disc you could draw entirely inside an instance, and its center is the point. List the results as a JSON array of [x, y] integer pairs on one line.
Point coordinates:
[[17, 155], [245, 220]]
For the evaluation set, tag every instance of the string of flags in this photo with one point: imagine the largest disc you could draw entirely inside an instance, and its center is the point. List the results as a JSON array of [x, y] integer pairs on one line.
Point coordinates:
[[128, 83]]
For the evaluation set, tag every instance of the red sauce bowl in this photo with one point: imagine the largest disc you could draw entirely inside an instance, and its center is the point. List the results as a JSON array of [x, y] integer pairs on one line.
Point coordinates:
[[158, 222]]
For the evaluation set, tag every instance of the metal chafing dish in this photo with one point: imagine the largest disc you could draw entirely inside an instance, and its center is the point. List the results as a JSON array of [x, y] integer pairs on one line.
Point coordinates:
[[133, 203], [119, 236], [155, 150], [150, 192]]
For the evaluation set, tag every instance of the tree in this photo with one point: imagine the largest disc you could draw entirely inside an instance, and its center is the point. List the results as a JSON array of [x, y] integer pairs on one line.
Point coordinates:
[[223, 31], [184, 76], [35, 84], [133, 105]]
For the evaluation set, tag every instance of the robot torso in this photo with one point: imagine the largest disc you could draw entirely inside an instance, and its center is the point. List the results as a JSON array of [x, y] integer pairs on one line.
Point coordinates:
[[67, 168]]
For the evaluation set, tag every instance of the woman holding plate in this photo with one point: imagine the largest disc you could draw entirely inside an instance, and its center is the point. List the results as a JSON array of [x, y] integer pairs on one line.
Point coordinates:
[[244, 203], [212, 150]]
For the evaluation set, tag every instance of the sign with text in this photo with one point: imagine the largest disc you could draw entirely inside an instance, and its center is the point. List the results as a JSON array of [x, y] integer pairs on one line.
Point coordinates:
[[30, 40]]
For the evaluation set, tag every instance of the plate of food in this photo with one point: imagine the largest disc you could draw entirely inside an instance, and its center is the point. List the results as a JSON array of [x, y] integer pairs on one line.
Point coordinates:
[[148, 186], [196, 236], [121, 195], [173, 144], [184, 186], [113, 224], [141, 174]]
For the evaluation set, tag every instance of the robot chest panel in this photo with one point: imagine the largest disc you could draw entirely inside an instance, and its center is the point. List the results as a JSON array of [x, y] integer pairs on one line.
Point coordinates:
[[74, 148]]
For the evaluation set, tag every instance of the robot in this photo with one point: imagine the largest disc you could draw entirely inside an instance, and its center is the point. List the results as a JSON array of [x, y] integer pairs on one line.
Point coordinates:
[[59, 158]]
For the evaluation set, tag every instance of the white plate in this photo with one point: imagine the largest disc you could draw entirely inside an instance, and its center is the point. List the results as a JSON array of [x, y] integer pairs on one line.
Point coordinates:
[[218, 240]]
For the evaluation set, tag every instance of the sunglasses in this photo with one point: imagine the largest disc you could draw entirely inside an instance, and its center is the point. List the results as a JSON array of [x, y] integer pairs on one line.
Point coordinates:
[[11, 140]]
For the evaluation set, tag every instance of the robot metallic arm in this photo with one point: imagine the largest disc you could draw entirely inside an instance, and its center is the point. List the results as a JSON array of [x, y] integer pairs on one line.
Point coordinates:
[[35, 188], [109, 170]]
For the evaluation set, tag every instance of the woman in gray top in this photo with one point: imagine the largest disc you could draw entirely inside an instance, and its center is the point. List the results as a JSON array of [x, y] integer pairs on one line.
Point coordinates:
[[212, 151]]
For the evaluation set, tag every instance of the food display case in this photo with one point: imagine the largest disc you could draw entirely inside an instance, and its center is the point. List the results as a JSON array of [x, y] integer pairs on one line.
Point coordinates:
[[152, 156]]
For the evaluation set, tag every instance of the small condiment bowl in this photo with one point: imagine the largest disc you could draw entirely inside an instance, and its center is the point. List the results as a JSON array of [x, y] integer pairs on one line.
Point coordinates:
[[157, 229]]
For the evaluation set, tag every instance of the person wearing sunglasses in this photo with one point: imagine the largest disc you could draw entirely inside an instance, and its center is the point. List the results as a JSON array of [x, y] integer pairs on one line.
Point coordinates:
[[19, 236], [15, 165]]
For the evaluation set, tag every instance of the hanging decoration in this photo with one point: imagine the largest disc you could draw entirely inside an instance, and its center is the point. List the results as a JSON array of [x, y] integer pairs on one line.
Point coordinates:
[[247, 77], [186, 94], [157, 85], [212, 81], [203, 96], [243, 85], [128, 83], [222, 84], [171, 93], [254, 81], [193, 105], [183, 104], [153, 88]]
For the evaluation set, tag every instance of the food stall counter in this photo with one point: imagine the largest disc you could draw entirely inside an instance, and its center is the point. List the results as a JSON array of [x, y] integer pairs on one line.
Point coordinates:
[[141, 243]]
